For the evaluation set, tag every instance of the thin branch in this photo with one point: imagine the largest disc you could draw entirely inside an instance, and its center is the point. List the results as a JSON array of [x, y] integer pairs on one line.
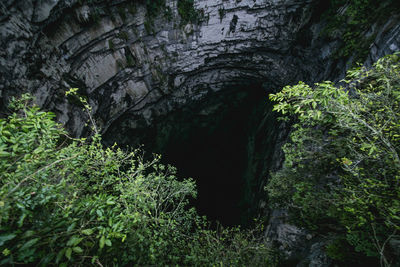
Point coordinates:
[[36, 172]]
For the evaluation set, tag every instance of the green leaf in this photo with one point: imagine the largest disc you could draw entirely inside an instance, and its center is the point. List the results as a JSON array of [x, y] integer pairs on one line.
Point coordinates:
[[87, 231], [371, 150], [4, 154], [28, 233], [6, 237], [68, 253], [99, 213], [21, 218], [110, 202], [77, 250], [71, 227], [38, 150], [60, 254], [102, 241], [74, 240], [108, 242], [30, 243]]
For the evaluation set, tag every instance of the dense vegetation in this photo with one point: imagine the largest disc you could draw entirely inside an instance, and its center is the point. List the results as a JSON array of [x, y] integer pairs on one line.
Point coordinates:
[[352, 22], [74, 202], [341, 173]]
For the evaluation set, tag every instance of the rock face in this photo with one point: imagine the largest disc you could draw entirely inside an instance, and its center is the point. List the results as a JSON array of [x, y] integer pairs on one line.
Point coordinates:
[[129, 67], [135, 68]]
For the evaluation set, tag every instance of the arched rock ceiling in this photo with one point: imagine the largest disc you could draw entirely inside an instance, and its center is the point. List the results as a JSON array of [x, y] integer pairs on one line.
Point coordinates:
[[52, 45]]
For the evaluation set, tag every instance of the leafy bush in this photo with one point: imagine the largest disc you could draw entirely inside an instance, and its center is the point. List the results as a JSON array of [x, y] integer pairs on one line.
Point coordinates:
[[72, 201], [342, 167], [230, 247]]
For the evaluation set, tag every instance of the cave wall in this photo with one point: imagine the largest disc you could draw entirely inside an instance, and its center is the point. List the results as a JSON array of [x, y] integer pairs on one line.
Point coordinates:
[[136, 73], [124, 68]]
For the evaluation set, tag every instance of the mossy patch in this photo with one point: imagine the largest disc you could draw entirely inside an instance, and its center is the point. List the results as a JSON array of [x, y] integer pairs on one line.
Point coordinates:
[[187, 11]]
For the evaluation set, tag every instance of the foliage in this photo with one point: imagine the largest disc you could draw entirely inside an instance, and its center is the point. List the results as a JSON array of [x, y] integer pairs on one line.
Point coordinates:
[[74, 202], [154, 7], [168, 13], [129, 60], [149, 27], [100, 8], [338, 249], [187, 12], [111, 45], [230, 247], [342, 169], [123, 35], [352, 20]]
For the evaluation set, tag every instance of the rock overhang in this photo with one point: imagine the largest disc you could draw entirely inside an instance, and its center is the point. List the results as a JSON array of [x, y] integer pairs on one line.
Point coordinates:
[[124, 67]]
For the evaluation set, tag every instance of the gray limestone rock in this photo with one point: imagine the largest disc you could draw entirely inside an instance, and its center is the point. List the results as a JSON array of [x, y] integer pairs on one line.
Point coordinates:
[[42, 9], [133, 69], [105, 50]]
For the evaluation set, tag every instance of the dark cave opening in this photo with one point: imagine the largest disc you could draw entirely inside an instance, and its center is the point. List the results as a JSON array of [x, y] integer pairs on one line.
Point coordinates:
[[225, 142], [215, 156]]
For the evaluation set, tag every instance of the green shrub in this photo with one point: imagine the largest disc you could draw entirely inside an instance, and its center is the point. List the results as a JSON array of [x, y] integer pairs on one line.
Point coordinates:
[[81, 202], [339, 249], [342, 168], [74, 202]]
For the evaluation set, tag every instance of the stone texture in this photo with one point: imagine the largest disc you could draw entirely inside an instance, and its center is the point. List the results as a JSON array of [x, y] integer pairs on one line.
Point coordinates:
[[52, 45], [132, 77]]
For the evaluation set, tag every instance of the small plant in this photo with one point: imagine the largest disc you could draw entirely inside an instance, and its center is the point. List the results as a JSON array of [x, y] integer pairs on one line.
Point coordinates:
[[153, 7], [232, 25], [122, 13], [112, 17], [95, 14], [168, 13], [148, 27], [132, 9], [123, 35], [130, 61], [111, 45], [221, 13], [187, 12]]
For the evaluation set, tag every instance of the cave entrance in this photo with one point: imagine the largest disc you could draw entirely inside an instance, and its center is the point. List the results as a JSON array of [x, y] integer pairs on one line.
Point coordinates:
[[226, 143], [213, 150]]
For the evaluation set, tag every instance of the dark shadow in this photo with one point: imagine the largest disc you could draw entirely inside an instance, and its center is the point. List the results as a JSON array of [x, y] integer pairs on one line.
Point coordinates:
[[225, 142]]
